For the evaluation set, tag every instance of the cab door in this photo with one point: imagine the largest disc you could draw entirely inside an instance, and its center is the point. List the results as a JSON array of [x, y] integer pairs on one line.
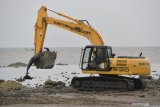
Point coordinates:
[[86, 58], [95, 58]]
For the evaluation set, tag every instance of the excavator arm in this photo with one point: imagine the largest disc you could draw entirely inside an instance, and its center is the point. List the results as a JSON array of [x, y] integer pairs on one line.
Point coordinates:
[[46, 59], [73, 25]]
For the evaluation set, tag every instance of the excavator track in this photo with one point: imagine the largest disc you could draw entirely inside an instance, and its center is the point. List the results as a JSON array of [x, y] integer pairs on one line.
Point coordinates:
[[107, 83]]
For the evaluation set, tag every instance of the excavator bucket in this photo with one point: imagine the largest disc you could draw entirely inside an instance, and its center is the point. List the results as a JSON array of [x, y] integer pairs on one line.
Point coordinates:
[[43, 60]]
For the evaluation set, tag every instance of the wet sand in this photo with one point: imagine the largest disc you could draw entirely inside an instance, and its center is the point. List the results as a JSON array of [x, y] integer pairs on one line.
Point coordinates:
[[68, 97]]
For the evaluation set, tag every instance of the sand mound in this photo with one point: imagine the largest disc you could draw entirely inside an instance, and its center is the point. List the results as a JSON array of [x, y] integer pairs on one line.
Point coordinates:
[[10, 85], [17, 64]]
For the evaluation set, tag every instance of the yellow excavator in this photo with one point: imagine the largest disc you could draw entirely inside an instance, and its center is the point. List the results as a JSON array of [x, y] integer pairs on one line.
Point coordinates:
[[95, 59]]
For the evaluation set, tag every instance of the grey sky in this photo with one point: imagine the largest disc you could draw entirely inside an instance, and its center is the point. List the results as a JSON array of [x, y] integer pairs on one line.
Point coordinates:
[[120, 22]]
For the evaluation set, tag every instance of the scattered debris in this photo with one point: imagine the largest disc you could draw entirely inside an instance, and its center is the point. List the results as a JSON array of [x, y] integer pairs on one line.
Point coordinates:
[[145, 77], [51, 83], [153, 71], [142, 96], [2, 66], [74, 73], [17, 64], [20, 79], [60, 83], [61, 64]]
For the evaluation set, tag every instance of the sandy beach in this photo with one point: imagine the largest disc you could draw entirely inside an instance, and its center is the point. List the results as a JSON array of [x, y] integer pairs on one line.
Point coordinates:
[[61, 96]]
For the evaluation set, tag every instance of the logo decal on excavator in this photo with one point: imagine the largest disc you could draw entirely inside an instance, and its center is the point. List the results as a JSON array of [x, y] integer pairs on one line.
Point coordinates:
[[122, 69], [77, 29], [144, 64]]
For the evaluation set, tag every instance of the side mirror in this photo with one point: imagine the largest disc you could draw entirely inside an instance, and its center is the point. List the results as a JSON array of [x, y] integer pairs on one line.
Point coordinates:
[[113, 55]]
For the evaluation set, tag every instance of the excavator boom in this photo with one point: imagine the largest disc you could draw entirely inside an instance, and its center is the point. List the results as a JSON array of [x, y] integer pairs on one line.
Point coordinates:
[[76, 26]]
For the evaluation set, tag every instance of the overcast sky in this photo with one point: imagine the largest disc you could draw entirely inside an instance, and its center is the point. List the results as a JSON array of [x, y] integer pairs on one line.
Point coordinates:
[[120, 22]]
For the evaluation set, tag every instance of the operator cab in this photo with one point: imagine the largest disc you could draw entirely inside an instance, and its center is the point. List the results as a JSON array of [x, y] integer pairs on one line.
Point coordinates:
[[96, 58]]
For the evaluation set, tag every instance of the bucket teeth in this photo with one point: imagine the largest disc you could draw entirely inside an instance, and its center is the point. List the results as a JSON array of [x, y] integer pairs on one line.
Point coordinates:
[[32, 60]]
